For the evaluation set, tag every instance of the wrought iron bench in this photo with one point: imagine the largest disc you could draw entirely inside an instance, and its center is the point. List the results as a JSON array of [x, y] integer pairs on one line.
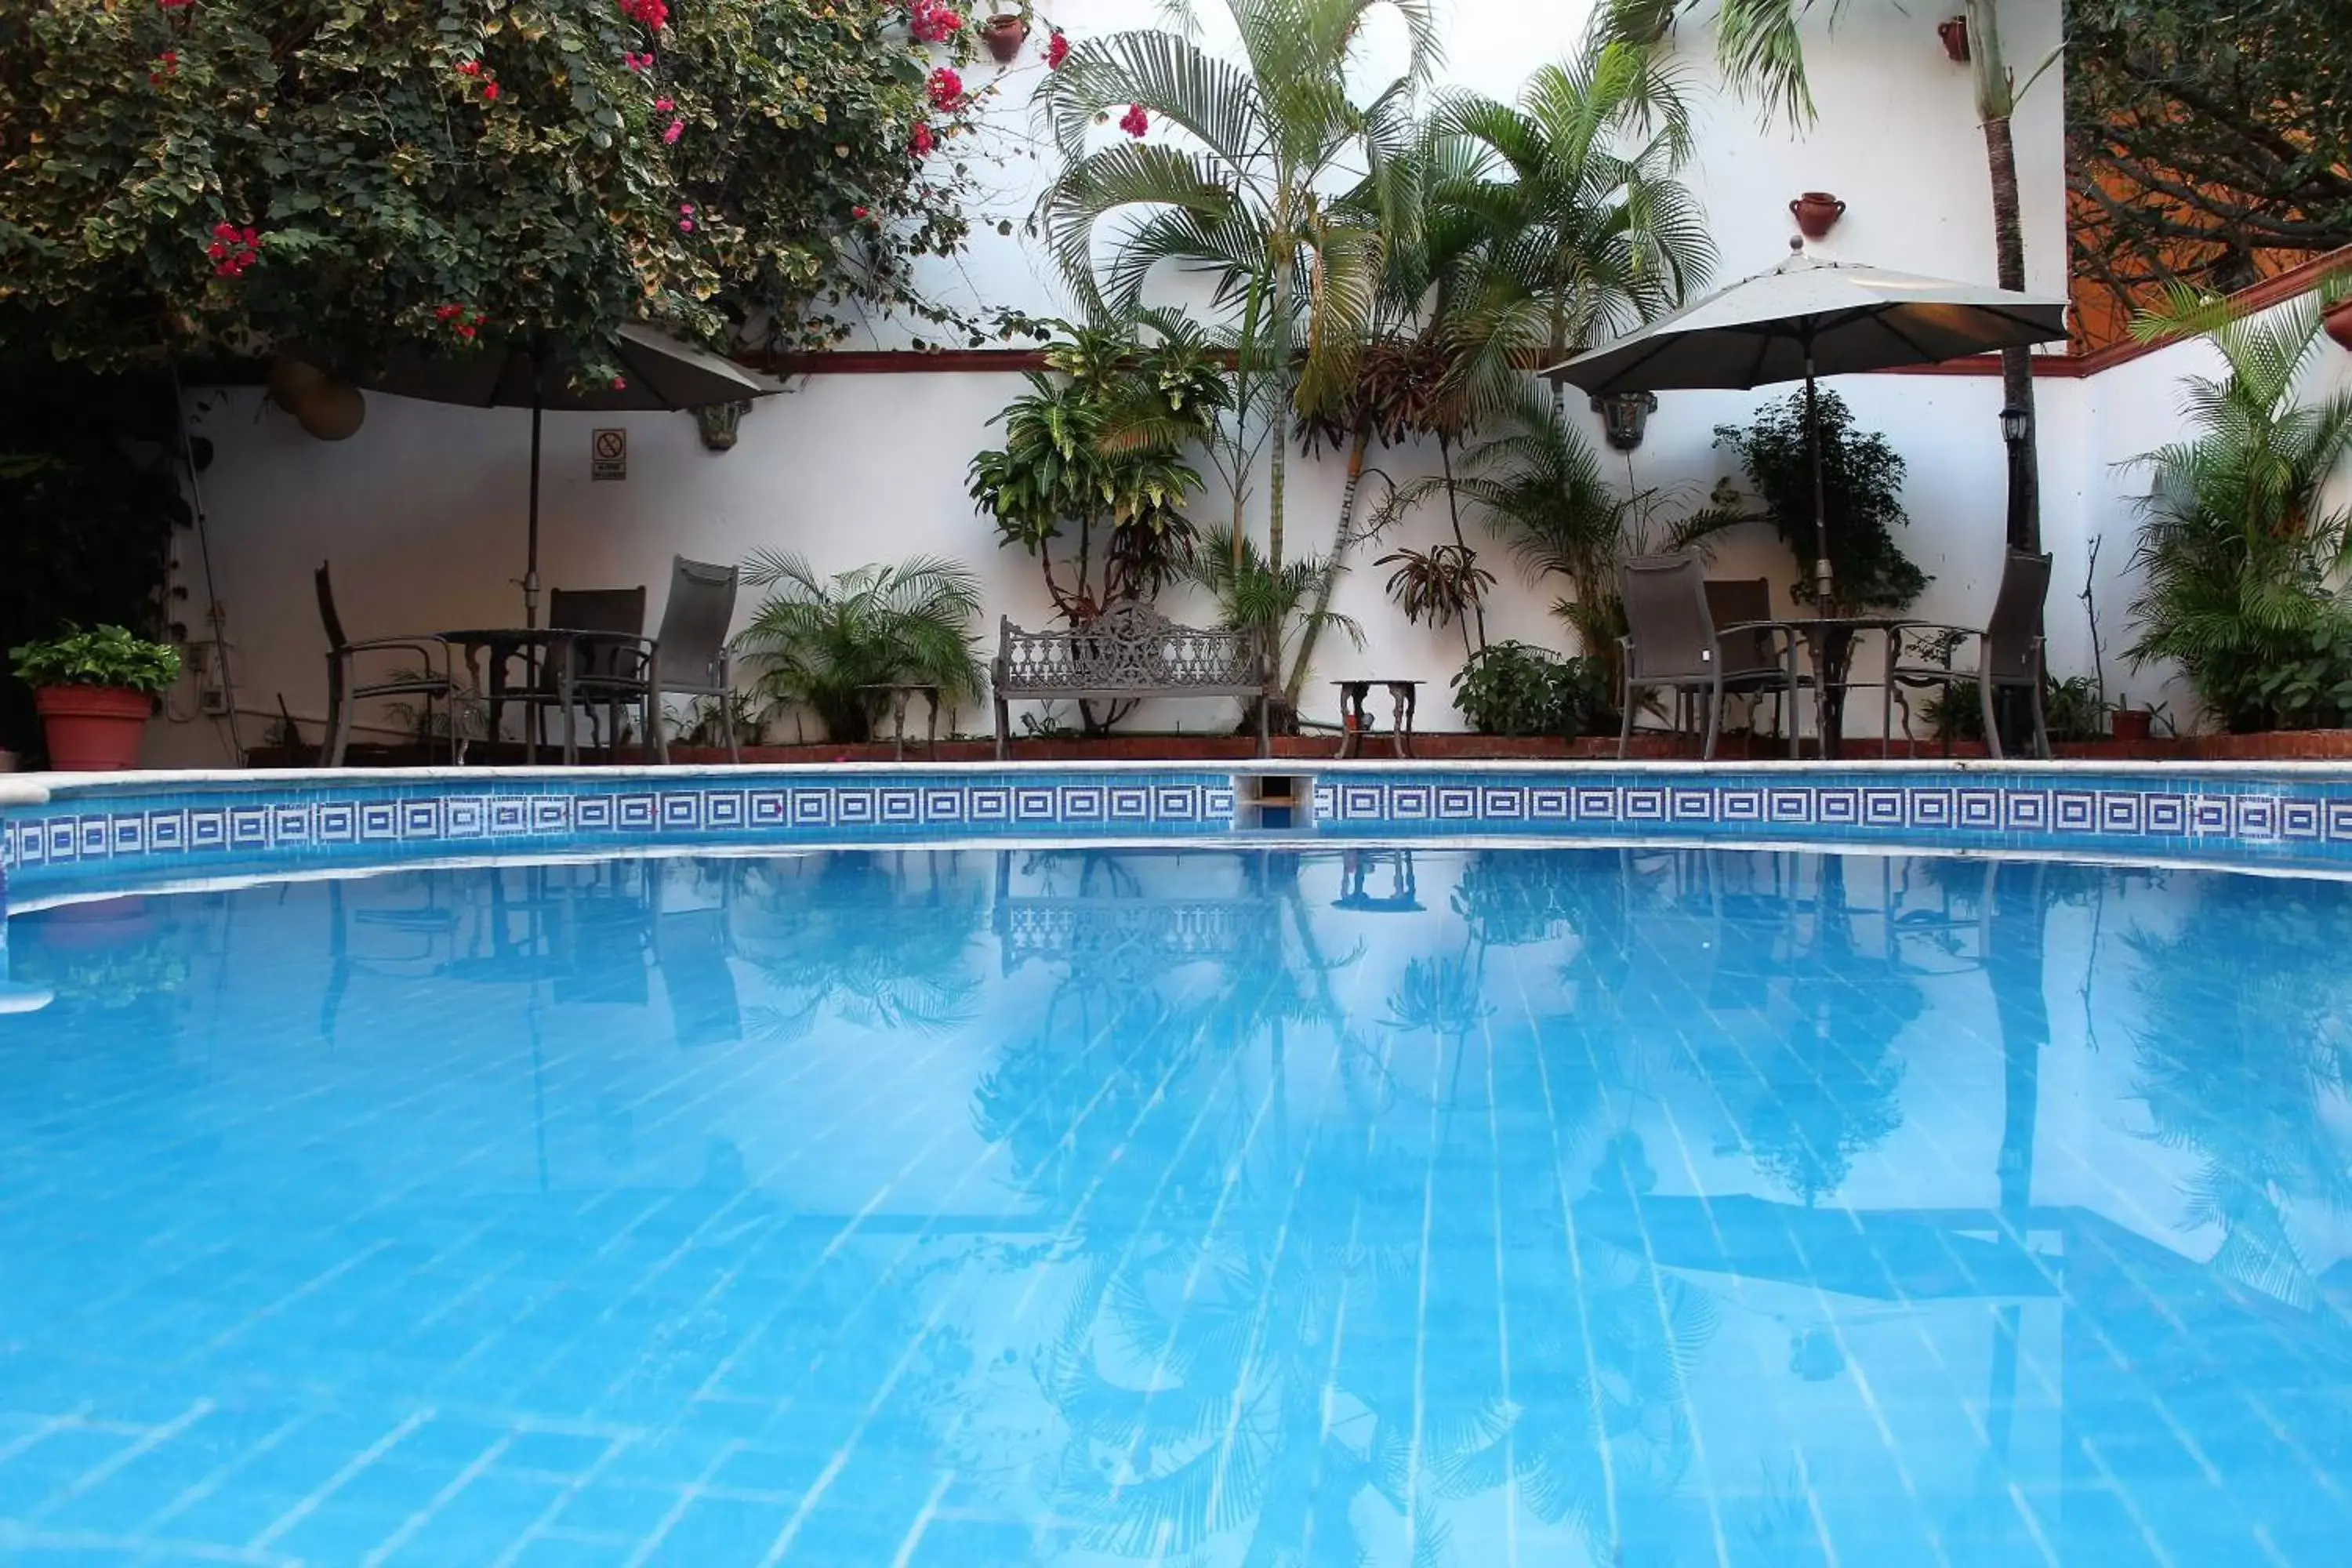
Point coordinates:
[[1131, 651]]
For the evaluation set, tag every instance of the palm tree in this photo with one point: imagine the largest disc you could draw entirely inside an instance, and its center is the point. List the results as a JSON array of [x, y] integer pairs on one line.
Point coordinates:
[[1279, 600], [1240, 195], [2238, 544], [1762, 54], [821, 640], [1586, 229]]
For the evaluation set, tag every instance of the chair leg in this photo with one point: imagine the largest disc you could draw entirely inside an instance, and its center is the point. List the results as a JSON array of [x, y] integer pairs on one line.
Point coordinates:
[[1714, 721], [1991, 720], [1003, 738], [1625, 725], [726, 725]]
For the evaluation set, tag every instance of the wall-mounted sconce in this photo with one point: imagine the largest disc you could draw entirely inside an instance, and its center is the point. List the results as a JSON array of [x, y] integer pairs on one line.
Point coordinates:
[[717, 424], [1626, 414]]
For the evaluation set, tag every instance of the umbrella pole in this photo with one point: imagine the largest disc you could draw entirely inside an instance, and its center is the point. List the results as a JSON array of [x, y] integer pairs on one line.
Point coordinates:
[[1821, 503], [530, 563]]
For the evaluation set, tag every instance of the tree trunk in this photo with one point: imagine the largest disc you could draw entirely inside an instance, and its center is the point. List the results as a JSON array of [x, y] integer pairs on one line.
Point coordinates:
[[1341, 542], [1469, 557], [1996, 102]]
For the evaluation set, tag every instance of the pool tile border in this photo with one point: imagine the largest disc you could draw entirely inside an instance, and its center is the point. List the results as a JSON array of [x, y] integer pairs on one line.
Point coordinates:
[[93, 830]]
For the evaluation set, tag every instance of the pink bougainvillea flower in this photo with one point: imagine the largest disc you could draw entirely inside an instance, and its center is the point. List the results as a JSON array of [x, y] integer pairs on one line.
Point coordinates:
[[165, 64], [1057, 49], [673, 130], [489, 93], [932, 24], [652, 14], [224, 231], [664, 105], [636, 62], [858, 213], [922, 143], [175, 4], [447, 313], [686, 209], [946, 89], [686, 226], [1135, 122], [470, 67], [217, 250], [620, 383]]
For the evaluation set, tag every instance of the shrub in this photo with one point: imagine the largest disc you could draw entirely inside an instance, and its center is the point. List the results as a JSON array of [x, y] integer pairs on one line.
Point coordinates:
[[2237, 540], [108, 655], [821, 639], [1514, 689], [1861, 486], [212, 177], [2070, 707]]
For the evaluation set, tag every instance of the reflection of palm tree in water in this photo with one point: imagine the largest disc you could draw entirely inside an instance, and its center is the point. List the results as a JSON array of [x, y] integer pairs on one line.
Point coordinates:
[[1252, 1381], [2242, 1071], [878, 939]]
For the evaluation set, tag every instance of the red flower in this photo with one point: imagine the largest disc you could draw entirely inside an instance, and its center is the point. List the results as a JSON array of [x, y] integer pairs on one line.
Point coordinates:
[[932, 24], [636, 62], [653, 14], [470, 67], [922, 143], [674, 130], [173, 4], [447, 312], [165, 64], [947, 89], [489, 93], [224, 231], [1057, 49], [217, 250], [620, 384], [663, 105], [1135, 122], [465, 331], [858, 213]]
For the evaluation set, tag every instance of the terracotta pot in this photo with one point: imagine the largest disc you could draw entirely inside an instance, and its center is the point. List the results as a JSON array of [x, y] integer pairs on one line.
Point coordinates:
[[1955, 33], [1816, 213], [2338, 322], [93, 729], [1004, 35], [2130, 723]]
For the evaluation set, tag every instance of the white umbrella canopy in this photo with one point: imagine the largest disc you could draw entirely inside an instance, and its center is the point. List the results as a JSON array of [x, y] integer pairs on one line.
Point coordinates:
[[1809, 318]]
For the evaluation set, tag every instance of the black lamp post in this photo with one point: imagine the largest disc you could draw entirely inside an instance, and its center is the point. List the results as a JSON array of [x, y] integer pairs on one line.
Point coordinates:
[[2016, 430]]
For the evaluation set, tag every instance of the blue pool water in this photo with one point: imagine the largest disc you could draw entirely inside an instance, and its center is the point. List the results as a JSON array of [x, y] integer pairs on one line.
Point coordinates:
[[965, 1208]]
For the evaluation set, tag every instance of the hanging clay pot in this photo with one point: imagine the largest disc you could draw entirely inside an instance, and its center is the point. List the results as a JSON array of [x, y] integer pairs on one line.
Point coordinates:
[[1816, 213], [1004, 35], [332, 411], [1955, 33]]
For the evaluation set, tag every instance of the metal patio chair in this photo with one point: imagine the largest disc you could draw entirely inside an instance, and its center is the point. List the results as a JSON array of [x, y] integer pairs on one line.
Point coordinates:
[[435, 681], [1741, 608], [687, 656], [1673, 644], [606, 664], [1919, 655]]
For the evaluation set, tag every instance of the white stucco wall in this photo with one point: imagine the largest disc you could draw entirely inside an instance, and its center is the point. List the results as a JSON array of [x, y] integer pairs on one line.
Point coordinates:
[[422, 512]]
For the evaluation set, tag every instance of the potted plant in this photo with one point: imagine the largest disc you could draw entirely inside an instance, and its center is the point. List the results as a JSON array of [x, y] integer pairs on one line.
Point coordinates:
[[1004, 33], [2130, 723], [95, 691]]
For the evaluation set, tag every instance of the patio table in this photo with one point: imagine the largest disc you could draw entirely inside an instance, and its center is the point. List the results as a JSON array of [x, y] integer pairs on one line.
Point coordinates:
[[503, 646], [1828, 648], [1403, 695]]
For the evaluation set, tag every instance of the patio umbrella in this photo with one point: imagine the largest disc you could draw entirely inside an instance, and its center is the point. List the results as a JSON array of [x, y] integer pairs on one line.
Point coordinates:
[[658, 372], [1809, 318]]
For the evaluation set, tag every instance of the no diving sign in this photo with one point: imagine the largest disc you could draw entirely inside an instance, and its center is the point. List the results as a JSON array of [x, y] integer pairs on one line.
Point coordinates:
[[608, 457]]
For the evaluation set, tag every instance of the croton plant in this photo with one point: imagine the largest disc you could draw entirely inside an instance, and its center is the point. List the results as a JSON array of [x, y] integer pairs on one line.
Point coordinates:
[[219, 175]]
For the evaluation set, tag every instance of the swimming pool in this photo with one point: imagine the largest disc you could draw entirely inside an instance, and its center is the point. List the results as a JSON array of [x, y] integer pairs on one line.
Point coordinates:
[[1219, 1202]]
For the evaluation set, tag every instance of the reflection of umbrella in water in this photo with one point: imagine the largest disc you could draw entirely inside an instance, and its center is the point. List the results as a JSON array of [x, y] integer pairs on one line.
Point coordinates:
[[1809, 317], [657, 372]]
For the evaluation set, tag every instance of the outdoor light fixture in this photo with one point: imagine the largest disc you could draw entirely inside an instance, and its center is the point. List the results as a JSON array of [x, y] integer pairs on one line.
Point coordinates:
[[2015, 423], [1626, 413]]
